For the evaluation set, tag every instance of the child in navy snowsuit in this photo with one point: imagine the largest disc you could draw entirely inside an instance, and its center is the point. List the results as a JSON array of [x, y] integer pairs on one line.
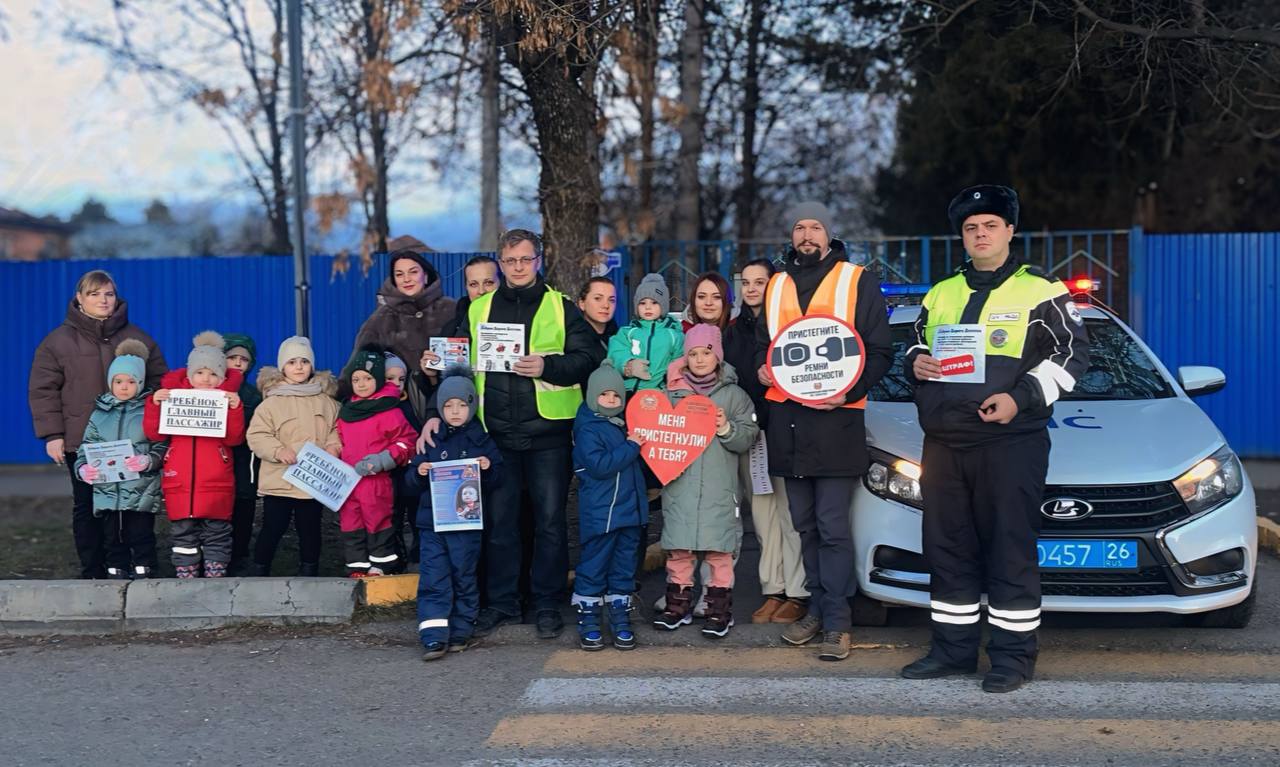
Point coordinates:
[[612, 506], [448, 592]]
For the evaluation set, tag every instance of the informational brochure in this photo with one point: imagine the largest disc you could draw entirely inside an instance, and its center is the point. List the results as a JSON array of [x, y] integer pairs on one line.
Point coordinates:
[[455, 496], [108, 458], [758, 463], [962, 352], [194, 413], [500, 345], [327, 479], [451, 351]]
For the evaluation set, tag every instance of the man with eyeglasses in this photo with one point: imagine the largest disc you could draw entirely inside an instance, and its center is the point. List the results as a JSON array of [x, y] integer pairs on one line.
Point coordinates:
[[529, 412]]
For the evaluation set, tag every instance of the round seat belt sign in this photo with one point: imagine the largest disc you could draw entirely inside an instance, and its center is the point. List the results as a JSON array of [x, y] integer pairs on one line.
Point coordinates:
[[815, 358]]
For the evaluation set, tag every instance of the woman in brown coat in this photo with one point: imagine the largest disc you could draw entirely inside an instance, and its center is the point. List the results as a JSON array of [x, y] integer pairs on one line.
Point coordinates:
[[67, 375]]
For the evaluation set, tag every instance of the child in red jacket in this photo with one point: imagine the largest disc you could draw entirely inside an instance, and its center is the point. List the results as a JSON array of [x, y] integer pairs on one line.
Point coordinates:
[[376, 438], [198, 480]]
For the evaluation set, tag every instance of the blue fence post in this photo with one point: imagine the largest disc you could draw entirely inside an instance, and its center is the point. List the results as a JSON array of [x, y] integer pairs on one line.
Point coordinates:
[[926, 273], [1137, 281]]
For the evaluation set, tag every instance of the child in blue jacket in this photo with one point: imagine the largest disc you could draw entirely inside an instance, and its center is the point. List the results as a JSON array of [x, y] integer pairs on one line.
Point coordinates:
[[612, 506], [448, 594]]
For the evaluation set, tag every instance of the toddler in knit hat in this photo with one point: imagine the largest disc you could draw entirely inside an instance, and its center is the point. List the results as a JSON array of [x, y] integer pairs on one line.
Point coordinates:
[[643, 349]]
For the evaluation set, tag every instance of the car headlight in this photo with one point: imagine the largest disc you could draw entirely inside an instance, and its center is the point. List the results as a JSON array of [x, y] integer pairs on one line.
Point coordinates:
[[1215, 479], [894, 479]]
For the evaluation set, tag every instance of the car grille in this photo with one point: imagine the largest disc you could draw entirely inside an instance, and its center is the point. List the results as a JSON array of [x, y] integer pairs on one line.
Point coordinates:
[[1149, 581], [1118, 507]]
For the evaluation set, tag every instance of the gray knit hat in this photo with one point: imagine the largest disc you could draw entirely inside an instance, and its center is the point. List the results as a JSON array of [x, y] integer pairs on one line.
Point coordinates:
[[457, 384], [653, 286], [207, 353], [809, 209], [295, 347], [605, 378]]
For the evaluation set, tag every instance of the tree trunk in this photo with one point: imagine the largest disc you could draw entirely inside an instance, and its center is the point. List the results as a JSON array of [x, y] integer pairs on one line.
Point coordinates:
[[688, 214], [647, 15], [490, 202], [564, 114], [745, 202]]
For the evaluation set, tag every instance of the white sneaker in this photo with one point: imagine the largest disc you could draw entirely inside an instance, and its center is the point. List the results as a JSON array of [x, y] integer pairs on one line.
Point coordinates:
[[375, 571]]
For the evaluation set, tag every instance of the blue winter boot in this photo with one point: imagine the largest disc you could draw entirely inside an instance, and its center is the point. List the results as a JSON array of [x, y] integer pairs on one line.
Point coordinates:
[[590, 635], [620, 621]]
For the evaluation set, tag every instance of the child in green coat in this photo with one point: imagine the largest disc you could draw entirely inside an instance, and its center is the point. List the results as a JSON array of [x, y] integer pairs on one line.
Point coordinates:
[[646, 347], [129, 505]]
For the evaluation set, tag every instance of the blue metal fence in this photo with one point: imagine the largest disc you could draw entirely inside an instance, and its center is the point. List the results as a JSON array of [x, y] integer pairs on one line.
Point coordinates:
[[174, 298], [1211, 299]]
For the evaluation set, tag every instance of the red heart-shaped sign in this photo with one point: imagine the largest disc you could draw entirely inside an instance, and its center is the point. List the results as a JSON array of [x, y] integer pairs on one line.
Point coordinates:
[[674, 437]]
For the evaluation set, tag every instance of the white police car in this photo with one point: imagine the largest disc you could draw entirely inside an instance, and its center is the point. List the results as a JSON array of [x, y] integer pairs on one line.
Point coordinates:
[[1146, 508]]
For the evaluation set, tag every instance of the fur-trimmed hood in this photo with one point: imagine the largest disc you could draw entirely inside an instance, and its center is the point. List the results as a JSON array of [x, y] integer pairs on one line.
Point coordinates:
[[269, 377]]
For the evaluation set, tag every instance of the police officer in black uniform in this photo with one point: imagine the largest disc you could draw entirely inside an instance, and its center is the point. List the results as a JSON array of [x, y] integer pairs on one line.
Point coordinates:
[[986, 448]]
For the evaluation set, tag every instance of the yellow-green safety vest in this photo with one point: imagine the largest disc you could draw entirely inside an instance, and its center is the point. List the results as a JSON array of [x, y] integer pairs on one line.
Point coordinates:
[[1006, 313], [546, 336]]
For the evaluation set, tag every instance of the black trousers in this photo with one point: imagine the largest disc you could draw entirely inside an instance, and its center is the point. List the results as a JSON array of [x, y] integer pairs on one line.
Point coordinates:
[[131, 540], [242, 526], [981, 524], [545, 475], [820, 512], [277, 511], [89, 531]]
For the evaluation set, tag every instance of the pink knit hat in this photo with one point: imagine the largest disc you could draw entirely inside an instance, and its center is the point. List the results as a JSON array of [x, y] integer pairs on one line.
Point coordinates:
[[704, 335]]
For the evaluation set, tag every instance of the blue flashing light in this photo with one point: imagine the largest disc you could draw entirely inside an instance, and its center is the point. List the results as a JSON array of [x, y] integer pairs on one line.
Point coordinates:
[[906, 289]]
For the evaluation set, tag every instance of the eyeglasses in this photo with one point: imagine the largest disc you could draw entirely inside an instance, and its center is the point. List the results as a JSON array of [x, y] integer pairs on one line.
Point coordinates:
[[522, 261]]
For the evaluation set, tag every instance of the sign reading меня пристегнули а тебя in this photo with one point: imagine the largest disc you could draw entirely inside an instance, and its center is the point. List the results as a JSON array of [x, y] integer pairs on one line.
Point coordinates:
[[194, 413]]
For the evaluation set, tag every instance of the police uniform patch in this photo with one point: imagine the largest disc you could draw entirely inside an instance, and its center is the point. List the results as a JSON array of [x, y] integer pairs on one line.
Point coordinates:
[[999, 337], [1074, 314]]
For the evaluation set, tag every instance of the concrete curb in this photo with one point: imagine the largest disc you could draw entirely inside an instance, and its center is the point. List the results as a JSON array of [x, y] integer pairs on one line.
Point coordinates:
[[105, 607], [389, 590], [1268, 535]]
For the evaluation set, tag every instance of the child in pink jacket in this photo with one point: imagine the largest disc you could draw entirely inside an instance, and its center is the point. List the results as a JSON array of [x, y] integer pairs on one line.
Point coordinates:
[[376, 439]]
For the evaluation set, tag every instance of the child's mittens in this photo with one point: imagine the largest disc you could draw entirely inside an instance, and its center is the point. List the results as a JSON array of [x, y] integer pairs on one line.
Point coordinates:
[[88, 473], [375, 463], [637, 368], [138, 462]]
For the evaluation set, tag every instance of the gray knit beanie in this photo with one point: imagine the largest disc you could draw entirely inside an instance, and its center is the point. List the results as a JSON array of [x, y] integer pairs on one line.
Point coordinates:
[[806, 210], [207, 353], [653, 286], [605, 378], [457, 384]]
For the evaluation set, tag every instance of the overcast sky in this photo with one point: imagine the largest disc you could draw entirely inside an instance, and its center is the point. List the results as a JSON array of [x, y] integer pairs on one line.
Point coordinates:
[[70, 131]]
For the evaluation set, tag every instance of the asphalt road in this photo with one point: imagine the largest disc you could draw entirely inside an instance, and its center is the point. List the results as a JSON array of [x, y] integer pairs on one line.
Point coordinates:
[[1131, 691]]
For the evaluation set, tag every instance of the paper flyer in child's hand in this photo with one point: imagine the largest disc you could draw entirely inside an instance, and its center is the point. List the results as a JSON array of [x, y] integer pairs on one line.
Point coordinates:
[[194, 413], [499, 346], [451, 351], [327, 479], [108, 458], [455, 496], [674, 437]]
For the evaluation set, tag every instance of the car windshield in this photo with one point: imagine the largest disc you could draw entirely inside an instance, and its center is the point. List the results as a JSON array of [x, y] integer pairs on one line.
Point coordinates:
[[1118, 368]]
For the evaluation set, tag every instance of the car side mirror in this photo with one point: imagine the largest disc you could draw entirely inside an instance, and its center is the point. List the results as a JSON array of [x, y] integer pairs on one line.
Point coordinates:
[[1199, 380]]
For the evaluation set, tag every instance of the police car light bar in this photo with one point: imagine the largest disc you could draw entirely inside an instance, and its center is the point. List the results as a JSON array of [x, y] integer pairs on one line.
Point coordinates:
[[906, 289]]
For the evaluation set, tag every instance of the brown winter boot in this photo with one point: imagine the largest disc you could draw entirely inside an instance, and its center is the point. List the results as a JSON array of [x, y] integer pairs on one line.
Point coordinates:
[[719, 612], [678, 609]]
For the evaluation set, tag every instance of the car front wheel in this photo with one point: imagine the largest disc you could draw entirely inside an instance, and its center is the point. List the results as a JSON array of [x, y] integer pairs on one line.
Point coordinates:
[[1234, 617]]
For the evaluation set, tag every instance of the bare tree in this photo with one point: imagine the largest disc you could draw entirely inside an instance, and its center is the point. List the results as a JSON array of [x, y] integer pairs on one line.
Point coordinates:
[[375, 61], [557, 46], [230, 65], [690, 125]]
